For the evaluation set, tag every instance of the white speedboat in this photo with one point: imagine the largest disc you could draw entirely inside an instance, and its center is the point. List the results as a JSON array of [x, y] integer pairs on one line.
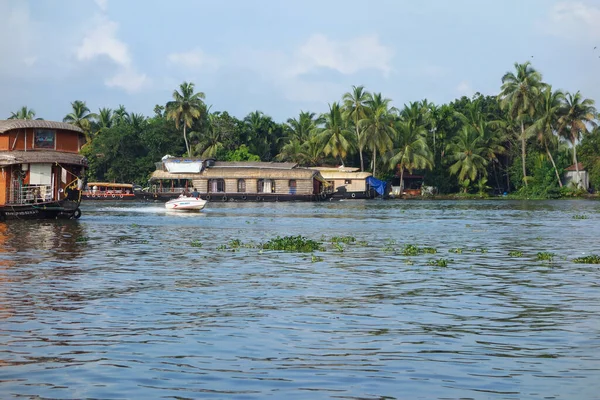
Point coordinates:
[[183, 203]]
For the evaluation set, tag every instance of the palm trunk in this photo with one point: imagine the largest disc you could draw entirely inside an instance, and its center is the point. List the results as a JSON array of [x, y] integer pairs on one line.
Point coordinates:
[[187, 147], [374, 160], [575, 162], [401, 180], [523, 154], [553, 164]]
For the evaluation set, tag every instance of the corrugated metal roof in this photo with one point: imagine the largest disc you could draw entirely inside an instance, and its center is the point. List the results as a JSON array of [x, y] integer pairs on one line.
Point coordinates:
[[580, 167], [10, 124]]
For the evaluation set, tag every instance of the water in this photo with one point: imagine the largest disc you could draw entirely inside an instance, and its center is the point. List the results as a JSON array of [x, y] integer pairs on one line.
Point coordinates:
[[133, 302]]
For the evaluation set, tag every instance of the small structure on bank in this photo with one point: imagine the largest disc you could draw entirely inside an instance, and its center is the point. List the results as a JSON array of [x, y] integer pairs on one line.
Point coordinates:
[[411, 185], [243, 181], [41, 169], [351, 183], [579, 180]]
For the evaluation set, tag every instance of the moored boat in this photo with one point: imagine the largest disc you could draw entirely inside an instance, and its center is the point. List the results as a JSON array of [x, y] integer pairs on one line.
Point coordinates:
[[41, 170], [185, 203], [109, 191]]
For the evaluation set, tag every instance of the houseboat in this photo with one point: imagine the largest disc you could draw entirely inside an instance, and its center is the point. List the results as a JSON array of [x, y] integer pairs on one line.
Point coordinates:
[[109, 191], [351, 183], [41, 169], [241, 181]]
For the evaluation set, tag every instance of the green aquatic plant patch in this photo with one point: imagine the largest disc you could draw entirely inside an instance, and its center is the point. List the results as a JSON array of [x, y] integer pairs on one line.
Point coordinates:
[[580, 216], [545, 256], [515, 253], [591, 259], [298, 244], [442, 262], [196, 243], [343, 239]]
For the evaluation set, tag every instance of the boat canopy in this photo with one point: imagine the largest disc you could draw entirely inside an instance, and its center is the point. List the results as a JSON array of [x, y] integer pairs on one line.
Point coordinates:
[[377, 185]]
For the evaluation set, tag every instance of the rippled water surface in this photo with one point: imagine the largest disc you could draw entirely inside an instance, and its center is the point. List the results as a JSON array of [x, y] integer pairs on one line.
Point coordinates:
[[133, 302]]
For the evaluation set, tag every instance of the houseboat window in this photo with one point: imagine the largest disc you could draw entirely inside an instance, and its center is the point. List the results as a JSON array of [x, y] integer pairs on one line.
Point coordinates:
[[266, 186], [241, 185], [44, 139], [348, 182], [216, 185], [292, 183]]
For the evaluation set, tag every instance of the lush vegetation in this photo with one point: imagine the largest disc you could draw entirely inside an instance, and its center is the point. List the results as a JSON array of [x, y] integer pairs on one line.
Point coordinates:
[[517, 141]]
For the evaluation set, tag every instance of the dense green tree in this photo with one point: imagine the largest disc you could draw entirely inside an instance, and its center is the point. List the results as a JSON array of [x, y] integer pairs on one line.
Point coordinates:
[[105, 118], [185, 107]]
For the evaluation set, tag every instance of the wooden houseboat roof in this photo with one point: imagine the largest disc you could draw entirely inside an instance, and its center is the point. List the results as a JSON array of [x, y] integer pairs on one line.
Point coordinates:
[[40, 156], [10, 124], [240, 172]]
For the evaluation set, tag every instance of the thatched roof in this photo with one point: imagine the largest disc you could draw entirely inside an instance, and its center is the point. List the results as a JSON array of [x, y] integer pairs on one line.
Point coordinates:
[[240, 173], [40, 156], [10, 124]]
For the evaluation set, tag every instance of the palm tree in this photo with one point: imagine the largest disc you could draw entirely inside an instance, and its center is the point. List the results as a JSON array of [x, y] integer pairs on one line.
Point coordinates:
[[137, 121], [467, 151], [211, 141], [120, 115], [378, 127], [105, 118], [355, 105], [292, 151], [410, 148], [301, 128], [519, 93], [579, 113], [23, 113], [80, 116], [551, 109], [185, 107], [335, 134]]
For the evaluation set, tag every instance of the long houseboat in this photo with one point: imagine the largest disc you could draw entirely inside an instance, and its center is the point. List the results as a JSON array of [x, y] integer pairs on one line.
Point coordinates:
[[240, 181], [41, 169]]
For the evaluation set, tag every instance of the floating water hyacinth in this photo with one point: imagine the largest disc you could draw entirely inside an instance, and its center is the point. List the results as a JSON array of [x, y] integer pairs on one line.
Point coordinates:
[[591, 259]]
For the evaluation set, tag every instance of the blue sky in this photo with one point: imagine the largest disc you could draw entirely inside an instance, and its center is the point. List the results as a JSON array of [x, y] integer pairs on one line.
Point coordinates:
[[280, 56]]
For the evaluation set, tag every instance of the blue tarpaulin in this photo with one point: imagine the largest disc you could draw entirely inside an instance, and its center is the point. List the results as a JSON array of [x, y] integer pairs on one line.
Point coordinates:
[[377, 185]]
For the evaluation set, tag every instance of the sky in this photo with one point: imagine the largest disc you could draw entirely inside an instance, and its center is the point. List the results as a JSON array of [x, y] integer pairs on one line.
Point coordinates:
[[285, 56]]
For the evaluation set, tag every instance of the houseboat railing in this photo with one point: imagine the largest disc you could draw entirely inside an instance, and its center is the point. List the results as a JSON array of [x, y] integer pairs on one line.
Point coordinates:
[[28, 194]]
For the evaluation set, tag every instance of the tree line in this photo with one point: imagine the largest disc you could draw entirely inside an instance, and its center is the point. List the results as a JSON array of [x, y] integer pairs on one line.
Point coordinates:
[[520, 140]]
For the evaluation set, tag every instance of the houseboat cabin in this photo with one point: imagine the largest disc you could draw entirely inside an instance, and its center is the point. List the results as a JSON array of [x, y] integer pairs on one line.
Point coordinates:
[[41, 170], [109, 191], [243, 181], [348, 182]]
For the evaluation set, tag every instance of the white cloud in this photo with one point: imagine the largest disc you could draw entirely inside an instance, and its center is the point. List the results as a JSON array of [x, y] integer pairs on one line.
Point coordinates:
[[464, 89], [102, 40], [194, 59], [572, 20], [346, 57], [128, 79], [103, 4]]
